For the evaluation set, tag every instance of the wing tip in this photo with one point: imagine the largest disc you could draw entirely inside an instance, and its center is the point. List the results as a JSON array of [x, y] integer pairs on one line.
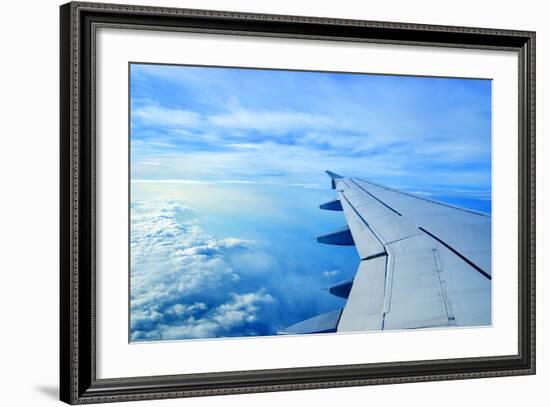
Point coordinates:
[[333, 175]]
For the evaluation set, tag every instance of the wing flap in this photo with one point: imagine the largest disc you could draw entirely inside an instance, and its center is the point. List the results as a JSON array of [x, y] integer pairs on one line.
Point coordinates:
[[365, 305], [415, 296], [430, 286], [468, 291]]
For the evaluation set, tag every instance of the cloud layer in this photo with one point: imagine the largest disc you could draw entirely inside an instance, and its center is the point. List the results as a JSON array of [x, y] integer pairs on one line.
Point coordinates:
[[183, 282], [279, 126]]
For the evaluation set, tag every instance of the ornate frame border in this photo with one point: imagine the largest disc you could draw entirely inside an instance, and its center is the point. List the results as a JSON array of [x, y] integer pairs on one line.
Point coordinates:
[[78, 382]]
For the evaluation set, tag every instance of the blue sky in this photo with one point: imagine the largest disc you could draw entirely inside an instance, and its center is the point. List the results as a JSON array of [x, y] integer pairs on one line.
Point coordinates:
[[227, 169]]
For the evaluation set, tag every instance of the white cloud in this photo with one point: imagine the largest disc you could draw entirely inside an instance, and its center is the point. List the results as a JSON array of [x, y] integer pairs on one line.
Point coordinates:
[[148, 163], [170, 181], [378, 127], [182, 282], [212, 247], [276, 122], [241, 308], [302, 145], [246, 146], [154, 115], [330, 273], [148, 144], [308, 186]]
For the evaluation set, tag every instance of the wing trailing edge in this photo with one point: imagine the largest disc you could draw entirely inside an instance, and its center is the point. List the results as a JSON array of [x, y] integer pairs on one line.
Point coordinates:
[[323, 323]]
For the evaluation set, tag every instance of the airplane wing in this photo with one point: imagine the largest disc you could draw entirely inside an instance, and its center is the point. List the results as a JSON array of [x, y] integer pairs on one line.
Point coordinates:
[[423, 263]]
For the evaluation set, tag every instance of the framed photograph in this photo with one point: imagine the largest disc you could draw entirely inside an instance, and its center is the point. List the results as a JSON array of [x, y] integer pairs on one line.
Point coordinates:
[[255, 203]]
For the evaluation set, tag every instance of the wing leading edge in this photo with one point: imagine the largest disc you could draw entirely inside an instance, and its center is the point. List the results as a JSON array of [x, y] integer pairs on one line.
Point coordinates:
[[423, 263]]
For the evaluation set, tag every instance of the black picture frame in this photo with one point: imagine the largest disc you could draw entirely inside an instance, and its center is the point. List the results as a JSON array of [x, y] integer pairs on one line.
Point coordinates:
[[78, 382]]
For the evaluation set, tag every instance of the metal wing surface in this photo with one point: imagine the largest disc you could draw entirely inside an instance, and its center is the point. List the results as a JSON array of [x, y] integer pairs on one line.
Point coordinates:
[[423, 263]]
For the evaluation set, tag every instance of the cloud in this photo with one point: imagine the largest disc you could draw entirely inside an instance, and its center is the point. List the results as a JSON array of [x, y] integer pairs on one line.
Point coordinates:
[[330, 273], [155, 115], [214, 247], [272, 121], [242, 308], [248, 146], [241, 311], [308, 186], [149, 163], [212, 124], [183, 282]]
